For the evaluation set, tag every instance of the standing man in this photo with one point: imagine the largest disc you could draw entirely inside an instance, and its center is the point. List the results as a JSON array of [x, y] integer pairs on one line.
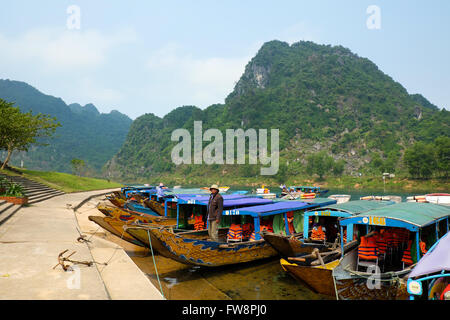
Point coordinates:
[[215, 208], [160, 190]]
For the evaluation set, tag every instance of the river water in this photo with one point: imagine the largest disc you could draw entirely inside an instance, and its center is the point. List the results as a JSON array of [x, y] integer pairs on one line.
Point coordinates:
[[257, 280]]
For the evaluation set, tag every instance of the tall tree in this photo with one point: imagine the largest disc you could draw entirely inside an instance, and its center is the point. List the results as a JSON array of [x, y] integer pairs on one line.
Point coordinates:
[[18, 131], [443, 155], [420, 159], [320, 163]]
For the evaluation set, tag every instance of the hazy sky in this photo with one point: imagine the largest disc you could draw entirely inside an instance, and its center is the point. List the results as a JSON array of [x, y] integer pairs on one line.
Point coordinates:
[[153, 56]]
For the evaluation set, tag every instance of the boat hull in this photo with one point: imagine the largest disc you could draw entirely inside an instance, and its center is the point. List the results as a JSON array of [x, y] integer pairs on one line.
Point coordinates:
[[358, 289], [318, 278], [288, 246], [115, 227], [195, 249]]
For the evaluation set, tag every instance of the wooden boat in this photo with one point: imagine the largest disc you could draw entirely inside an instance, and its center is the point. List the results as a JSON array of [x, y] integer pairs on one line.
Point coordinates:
[[418, 219], [127, 215], [310, 271], [140, 208], [340, 198], [396, 199], [116, 201], [195, 247], [431, 275], [115, 227], [299, 243]]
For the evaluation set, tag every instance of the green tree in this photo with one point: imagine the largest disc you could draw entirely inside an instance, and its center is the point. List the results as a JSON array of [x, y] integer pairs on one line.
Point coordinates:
[[18, 131], [78, 166], [319, 163], [420, 160], [338, 167], [443, 155]]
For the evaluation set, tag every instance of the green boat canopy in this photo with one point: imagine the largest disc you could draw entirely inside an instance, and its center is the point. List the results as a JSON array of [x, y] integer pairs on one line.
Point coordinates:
[[357, 206], [412, 213]]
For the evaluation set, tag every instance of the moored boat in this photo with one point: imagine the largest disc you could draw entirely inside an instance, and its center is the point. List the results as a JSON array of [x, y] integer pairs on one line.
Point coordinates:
[[195, 247], [392, 240], [430, 278], [340, 198], [301, 242]]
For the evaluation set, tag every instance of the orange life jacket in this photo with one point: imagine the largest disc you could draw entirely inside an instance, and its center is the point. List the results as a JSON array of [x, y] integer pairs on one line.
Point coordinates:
[[290, 219], [407, 259], [247, 229], [266, 225], [318, 233], [198, 223], [253, 236], [235, 232], [368, 249], [381, 243], [422, 246]]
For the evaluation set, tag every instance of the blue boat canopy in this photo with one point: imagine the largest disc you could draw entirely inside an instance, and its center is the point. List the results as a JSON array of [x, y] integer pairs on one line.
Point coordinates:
[[271, 209]]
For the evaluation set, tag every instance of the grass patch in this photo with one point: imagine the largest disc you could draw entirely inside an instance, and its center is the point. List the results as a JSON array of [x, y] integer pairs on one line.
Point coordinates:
[[66, 182]]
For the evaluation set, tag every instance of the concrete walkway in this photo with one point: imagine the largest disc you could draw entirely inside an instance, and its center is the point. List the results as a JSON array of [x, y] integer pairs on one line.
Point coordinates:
[[29, 246]]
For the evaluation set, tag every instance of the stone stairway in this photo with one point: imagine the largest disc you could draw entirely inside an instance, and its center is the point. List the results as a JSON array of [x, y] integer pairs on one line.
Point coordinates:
[[7, 210], [35, 191]]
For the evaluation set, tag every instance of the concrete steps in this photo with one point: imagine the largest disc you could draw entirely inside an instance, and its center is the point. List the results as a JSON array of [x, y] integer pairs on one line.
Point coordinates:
[[7, 210], [35, 191]]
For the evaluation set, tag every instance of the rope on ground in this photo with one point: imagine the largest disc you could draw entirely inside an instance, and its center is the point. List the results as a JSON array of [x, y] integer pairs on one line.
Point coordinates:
[[154, 263], [115, 250]]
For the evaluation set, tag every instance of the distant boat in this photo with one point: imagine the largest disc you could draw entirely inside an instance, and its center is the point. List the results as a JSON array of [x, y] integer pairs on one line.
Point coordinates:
[[396, 199], [438, 198], [265, 193], [221, 189], [340, 198]]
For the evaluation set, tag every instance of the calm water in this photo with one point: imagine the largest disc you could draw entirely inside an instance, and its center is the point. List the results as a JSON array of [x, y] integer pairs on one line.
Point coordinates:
[[263, 279]]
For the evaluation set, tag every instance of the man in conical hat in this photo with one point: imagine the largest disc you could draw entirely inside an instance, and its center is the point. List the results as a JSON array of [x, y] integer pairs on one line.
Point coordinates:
[[215, 208]]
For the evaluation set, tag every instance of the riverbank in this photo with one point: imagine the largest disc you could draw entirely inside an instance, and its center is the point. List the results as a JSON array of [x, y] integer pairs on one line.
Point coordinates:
[[65, 182], [344, 182], [34, 237]]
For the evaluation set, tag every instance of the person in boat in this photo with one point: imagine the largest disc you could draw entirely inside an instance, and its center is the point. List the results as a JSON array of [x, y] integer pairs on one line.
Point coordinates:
[[160, 190], [215, 208]]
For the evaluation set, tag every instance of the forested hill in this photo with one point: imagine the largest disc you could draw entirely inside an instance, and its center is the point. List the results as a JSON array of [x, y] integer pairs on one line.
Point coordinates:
[[322, 98], [84, 133]]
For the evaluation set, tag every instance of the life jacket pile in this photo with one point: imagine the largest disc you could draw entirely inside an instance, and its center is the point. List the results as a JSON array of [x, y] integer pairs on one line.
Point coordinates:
[[247, 229], [318, 233], [407, 259], [198, 223], [235, 232], [368, 249], [382, 243]]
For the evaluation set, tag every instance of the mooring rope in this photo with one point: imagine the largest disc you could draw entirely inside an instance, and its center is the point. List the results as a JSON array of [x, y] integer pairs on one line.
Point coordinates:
[[154, 263]]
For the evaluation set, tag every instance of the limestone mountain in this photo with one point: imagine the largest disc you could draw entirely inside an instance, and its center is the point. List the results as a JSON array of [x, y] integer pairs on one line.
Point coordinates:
[[84, 133], [321, 97]]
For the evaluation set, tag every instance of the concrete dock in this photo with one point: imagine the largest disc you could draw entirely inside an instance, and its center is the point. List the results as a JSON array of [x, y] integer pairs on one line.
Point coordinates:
[[31, 240]]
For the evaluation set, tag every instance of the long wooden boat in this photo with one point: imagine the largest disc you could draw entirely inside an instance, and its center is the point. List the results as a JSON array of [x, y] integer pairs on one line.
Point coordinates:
[[299, 243], [195, 247], [419, 219], [115, 227], [127, 215], [310, 270], [118, 202]]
